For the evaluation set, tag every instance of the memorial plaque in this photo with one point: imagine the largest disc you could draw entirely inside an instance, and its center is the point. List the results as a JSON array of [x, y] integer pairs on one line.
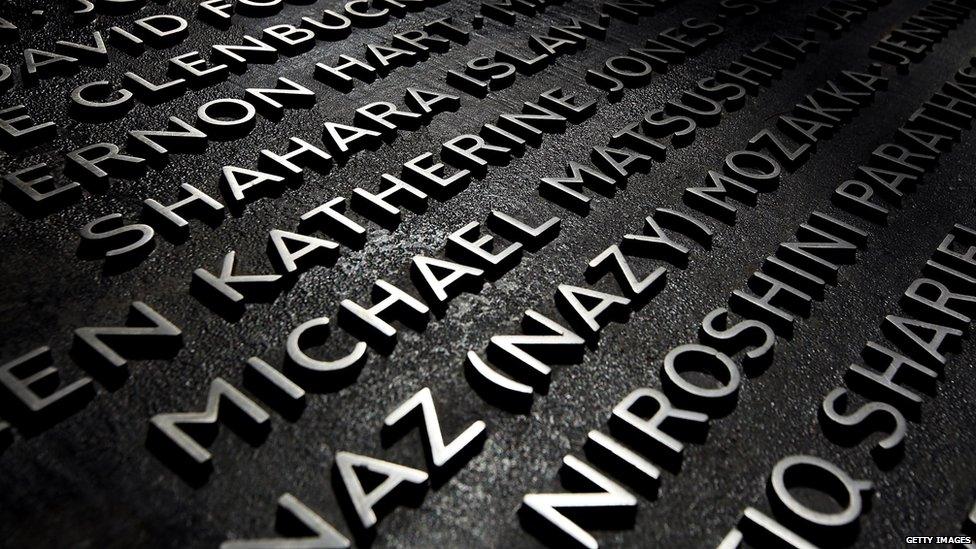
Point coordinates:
[[499, 273]]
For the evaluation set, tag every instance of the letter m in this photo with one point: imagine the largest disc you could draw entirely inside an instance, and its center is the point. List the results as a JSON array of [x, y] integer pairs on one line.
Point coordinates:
[[710, 199], [178, 436]]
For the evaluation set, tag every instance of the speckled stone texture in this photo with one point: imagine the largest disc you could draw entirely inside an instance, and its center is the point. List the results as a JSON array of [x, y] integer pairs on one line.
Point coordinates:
[[89, 480]]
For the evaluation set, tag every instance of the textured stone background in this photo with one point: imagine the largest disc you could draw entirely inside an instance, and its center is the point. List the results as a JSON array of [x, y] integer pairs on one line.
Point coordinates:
[[90, 482]]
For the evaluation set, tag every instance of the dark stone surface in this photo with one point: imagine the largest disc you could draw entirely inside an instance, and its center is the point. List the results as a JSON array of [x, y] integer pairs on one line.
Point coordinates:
[[89, 481]]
